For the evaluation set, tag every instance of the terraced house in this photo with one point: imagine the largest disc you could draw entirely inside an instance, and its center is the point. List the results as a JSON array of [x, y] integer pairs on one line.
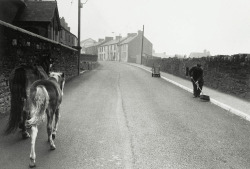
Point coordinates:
[[109, 51], [126, 49]]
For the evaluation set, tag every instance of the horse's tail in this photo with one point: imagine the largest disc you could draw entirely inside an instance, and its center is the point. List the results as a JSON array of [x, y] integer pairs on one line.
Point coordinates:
[[39, 100], [18, 94]]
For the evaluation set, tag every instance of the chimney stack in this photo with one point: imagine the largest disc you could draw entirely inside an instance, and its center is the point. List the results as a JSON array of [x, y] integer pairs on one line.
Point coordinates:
[[108, 38], [131, 34], [139, 32], [100, 40], [118, 37]]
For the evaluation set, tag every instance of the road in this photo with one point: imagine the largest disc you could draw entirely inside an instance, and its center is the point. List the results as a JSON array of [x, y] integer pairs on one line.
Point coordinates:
[[119, 117]]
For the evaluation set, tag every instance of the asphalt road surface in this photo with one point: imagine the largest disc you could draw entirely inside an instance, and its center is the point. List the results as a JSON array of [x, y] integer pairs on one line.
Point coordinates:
[[119, 117]]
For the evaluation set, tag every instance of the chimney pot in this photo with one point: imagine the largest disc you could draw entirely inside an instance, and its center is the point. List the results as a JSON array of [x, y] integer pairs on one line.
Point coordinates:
[[118, 37]]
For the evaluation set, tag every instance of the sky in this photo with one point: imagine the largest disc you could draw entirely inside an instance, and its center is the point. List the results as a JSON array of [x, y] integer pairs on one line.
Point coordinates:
[[173, 26]]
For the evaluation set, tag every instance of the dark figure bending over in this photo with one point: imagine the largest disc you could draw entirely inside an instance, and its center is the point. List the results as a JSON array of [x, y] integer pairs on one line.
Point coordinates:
[[196, 74]]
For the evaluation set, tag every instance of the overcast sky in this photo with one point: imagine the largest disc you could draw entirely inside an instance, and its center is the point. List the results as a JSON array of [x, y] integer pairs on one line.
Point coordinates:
[[173, 26]]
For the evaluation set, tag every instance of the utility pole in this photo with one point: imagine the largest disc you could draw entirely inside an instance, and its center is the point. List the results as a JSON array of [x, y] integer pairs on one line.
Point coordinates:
[[79, 34], [142, 43]]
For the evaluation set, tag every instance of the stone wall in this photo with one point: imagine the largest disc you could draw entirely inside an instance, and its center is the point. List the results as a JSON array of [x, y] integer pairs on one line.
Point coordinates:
[[228, 74], [18, 46]]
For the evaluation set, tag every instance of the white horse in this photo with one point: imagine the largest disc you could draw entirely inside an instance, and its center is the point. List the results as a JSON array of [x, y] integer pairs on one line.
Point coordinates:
[[45, 96]]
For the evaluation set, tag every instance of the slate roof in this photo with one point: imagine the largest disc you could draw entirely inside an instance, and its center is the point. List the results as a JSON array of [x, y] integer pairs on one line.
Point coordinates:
[[40, 11], [97, 44], [89, 39], [129, 39], [111, 42], [115, 41]]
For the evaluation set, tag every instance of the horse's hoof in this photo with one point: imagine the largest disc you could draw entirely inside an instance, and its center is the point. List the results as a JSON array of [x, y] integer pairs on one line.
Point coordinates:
[[32, 163], [25, 135], [53, 136], [52, 147]]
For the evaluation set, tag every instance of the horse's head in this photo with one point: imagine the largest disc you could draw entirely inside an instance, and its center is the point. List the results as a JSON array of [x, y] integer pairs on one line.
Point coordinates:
[[59, 77]]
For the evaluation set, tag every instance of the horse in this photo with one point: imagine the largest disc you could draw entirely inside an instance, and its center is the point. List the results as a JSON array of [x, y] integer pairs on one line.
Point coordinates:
[[45, 96], [20, 79]]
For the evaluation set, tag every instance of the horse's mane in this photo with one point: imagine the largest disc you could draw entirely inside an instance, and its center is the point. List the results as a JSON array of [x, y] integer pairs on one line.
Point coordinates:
[[38, 70], [41, 72]]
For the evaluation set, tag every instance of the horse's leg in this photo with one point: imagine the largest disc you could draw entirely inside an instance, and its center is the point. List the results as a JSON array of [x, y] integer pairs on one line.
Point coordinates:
[[49, 129], [34, 131], [24, 117], [25, 133], [57, 117]]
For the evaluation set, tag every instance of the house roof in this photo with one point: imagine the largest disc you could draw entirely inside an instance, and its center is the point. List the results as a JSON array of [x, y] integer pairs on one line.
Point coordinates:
[[116, 41], [96, 44], [88, 40], [111, 42], [128, 39], [39, 11], [62, 28]]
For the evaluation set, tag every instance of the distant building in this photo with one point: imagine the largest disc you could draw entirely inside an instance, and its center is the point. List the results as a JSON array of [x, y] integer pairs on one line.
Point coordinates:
[[205, 53], [127, 49], [86, 43], [93, 49], [110, 50], [130, 48], [102, 50], [163, 55]]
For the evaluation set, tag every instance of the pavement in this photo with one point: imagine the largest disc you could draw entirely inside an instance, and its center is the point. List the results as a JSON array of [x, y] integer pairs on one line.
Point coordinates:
[[228, 102]]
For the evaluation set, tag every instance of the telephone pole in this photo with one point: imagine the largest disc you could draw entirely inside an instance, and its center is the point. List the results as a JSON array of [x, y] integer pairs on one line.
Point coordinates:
[[142, 43], [79, 34]]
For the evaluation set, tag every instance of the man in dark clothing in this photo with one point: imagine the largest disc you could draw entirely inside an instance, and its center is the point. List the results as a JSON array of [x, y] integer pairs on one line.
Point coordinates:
[[196, 74]]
